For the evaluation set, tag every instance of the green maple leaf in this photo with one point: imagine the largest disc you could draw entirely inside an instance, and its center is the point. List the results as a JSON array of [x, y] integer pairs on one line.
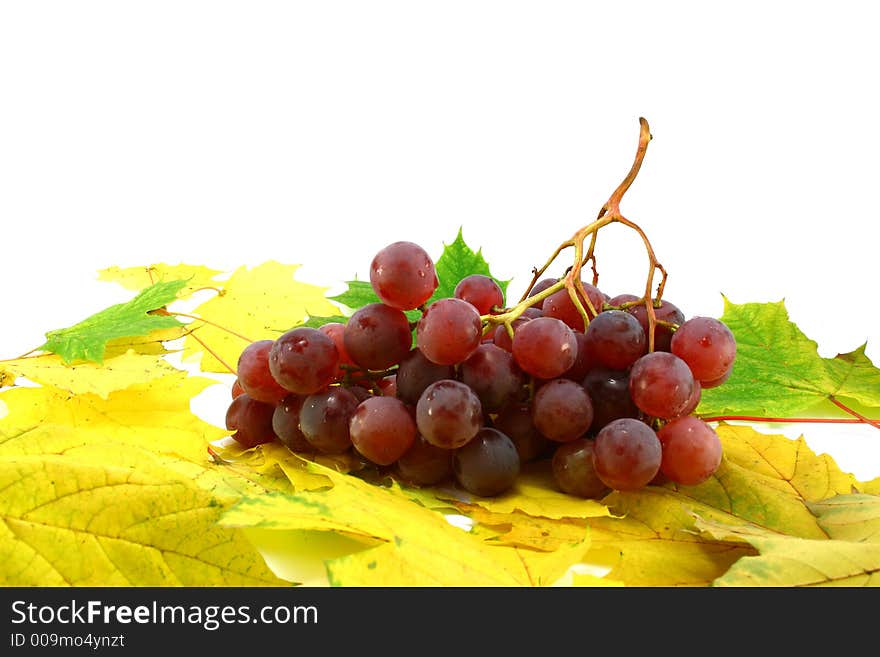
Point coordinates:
[[778, 371], [87, 339], [457, 261]]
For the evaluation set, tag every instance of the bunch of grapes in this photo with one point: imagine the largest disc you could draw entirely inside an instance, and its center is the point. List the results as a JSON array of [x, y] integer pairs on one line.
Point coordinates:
[[457, 397]]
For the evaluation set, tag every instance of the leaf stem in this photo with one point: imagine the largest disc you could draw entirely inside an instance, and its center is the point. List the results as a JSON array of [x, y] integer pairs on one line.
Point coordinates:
[[847, 409]]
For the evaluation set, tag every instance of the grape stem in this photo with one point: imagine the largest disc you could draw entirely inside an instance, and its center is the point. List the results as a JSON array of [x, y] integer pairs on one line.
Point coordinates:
[[571, 281]]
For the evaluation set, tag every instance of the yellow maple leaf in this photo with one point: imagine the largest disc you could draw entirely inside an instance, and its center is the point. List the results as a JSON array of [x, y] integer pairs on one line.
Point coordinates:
[[416, 546], [116, 373], [155, 416], [794, 561], [104, 523], [257, 303], [198, 277]]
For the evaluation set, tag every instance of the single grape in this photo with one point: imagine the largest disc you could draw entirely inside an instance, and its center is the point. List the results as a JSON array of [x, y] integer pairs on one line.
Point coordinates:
[[336, 332], [515, 422], [324, 419], [424, 464], [377, 336], [691, 450], [544, 347], [542, 285], [236, 389], [562, 410], [661, 384], [488, 465], [416, 372], [615, 339], [532, 312], [448, 414], [360, 392], [501, 338], [621, 299], [251, 420], [707, 346], [493, 374], [560, 306], [573, 470], [665, 312], [303, 360], [714, 383], [482, 292], [382, 429], [609, 394], [403, 275], [254, 375], [693, 400], [449, 331], [285, 424], [626, 454], [387, 385], [583, 362]]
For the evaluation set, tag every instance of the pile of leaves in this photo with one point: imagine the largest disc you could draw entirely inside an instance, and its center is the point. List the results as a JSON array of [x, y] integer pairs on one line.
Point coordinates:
[[109, 478]]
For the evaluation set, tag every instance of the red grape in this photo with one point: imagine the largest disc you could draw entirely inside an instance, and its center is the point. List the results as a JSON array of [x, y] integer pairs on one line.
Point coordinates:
[[285, 424], [561, 410], [449, 331], [254, 376], [560, 306], [251, 420], [493, 374], [609, 394], [515, 422], [415, 373], [661, 384], [482, 292], [666, 312], [377, 336], [488, 465], [448, 414], [707, 346], [626, 454], [382, 429], [691, 450], [324, 419], [424, 464], [544, 347], [574, 472], [403, 275], [615, 339], [303, 360]]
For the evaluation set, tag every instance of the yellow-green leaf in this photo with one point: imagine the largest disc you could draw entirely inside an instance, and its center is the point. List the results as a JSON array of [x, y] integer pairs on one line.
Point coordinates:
[[792, 561], [197, 277], [116, 373], [850, 517], [154, 416], [65, 522]]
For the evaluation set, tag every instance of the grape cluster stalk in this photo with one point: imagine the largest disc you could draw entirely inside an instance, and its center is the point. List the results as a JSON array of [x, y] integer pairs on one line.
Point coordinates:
[[603, 387]]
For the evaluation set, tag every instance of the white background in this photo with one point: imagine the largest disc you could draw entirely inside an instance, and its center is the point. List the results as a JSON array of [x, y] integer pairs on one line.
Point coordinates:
[[229, 133]]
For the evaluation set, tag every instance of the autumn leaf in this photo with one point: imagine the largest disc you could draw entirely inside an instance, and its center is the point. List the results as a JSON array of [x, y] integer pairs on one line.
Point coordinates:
[[256, 303], [778, 371], [88, 339], [412, 545], [854, 517], [70, 523], [116, 373], [155, 416], [790, 561], [197, 277]]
